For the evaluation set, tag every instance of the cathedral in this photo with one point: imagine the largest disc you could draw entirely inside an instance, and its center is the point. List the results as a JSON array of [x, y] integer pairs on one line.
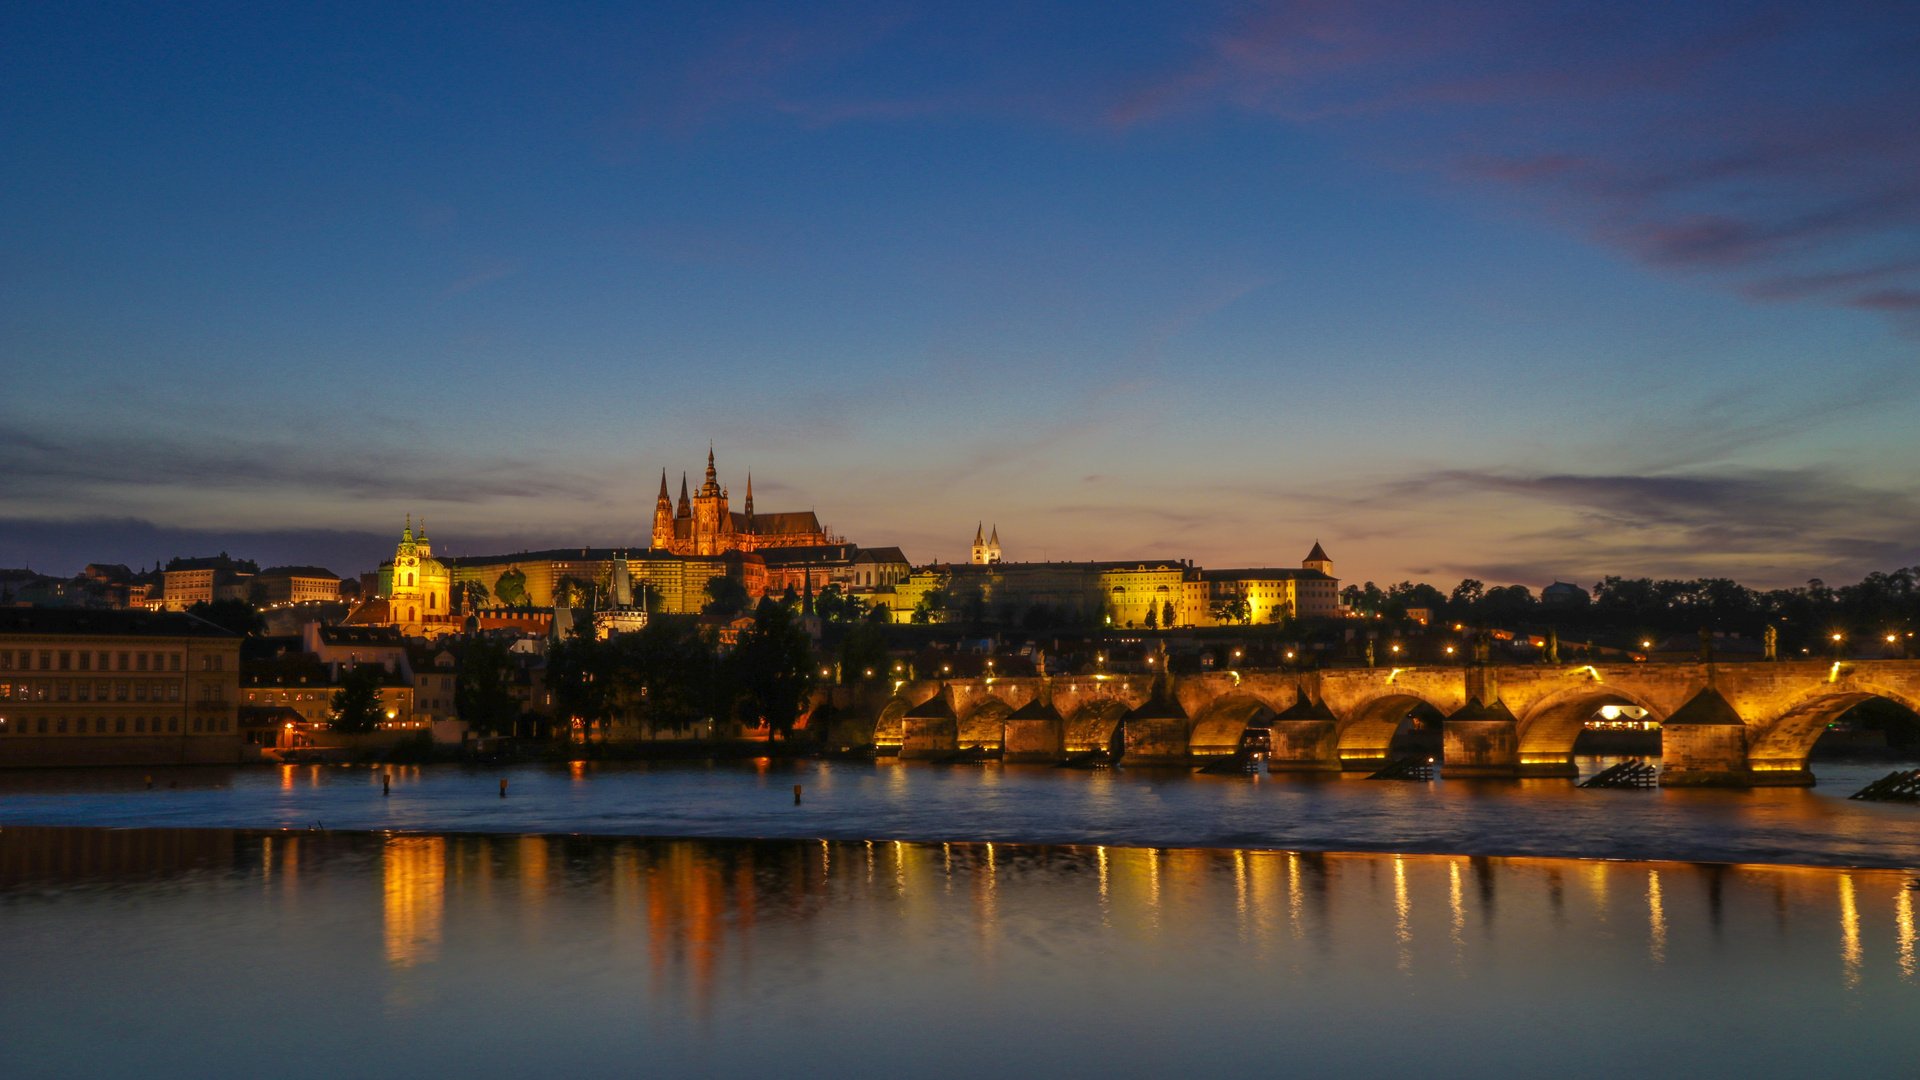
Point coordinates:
[[703, 524]]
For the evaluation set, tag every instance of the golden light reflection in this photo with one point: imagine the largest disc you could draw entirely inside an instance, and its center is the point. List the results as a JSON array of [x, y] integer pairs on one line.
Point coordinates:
[[1597, 888], [1849, 933], [1456, 897], [1903, 922], [413, 870], [1240, 889], [1656, 920], [1403, 915], [1106, 908], [1294, 897]]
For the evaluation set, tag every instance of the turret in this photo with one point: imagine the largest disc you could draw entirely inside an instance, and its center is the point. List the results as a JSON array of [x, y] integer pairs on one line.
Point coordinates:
[[979, 543], [1317, 560], [993, 546]]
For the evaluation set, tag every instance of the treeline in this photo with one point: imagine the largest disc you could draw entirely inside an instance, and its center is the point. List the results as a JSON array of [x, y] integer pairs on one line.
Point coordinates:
[[668, 676], [1881, 603]]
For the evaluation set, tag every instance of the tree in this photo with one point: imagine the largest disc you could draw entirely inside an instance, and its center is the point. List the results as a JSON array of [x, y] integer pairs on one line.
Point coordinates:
[[582, 676], [931, 607], [571, 592], [1233, 609], [511, 588], [726, 597], [1468, 592], [471, 595], [356, 706], [1167, 617], [1153, 617], [863, 650], [771, 669], [483, 688], [235, 615], [669, 673]]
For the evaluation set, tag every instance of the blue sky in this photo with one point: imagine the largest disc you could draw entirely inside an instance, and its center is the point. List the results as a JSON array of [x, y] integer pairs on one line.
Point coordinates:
[[1512, 291]]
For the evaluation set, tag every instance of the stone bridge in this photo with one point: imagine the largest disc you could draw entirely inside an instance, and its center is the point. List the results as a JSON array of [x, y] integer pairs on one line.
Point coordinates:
[[1746, 724]]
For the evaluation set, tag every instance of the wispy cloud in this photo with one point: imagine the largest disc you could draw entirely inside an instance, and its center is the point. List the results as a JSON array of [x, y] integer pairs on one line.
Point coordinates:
[[36, 464], [1706, 137]]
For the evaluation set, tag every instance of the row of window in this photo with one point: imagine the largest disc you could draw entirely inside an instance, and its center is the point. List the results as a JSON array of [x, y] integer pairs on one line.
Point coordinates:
[[120, 725], [91, 660], [82, 690]]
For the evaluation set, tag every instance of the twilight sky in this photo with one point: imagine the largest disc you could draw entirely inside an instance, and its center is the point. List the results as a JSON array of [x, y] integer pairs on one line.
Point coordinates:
[[1518, 291]]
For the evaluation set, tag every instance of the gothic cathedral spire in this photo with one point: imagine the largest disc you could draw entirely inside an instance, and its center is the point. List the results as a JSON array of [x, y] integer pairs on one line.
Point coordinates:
[[686, 508]]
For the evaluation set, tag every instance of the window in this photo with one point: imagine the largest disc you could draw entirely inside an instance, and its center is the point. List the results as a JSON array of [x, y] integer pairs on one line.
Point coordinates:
[[140, 725], [174, 664], [62, 730], [123, 661], [99, 725], [140, 661], [106, 661], [223, 725], [120, 725], [173, 691], [173, 723], [42, 727], [139, 691], [46, 660], [196, 725], [86, 661], [65, 692], [6, 659], [120, 691]]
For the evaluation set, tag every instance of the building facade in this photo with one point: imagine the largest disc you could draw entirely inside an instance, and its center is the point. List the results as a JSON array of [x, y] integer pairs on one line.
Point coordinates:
[[80, 687]]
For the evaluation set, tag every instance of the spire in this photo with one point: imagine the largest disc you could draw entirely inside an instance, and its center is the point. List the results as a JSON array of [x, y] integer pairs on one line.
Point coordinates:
[[979, 533], [406, 536], [686, 508], [710, 475], [749, 492], [666, 501]]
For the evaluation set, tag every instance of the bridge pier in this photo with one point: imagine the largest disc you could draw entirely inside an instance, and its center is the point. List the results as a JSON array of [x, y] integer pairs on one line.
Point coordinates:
[[929, 730], [1035, 733], [1481, 740], [1704, 744], [1303, 745]]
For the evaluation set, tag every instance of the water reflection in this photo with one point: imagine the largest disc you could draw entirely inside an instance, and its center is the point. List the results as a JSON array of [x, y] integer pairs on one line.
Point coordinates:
[[756, 942], [413, 870]]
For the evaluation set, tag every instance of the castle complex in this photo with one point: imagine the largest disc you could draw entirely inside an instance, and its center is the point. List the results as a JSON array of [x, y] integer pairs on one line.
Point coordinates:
[[702, 538]]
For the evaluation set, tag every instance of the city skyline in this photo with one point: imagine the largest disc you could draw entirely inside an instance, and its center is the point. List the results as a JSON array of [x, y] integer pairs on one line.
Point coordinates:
[[1492, 291]]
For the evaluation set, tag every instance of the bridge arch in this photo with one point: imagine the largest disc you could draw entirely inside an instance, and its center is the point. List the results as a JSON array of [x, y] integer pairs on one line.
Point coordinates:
[[889, 729], [1217, 728], [1366, 732], [1785, 741], [985, 724], [1092, 725], [1549, 728]]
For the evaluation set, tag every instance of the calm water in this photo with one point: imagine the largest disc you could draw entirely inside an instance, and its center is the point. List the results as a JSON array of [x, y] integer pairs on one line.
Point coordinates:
[[1025, 804], [198, 953]]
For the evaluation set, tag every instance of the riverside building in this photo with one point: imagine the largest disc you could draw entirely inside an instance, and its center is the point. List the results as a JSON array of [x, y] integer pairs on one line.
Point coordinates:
[[80, 687]]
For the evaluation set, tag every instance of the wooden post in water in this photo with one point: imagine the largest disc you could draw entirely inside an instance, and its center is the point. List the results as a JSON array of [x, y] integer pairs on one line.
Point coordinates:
[[796, 794]]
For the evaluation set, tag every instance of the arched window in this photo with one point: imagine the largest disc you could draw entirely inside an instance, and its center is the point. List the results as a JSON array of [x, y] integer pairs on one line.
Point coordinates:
[[432, 601], [410, 616], [409, 580]]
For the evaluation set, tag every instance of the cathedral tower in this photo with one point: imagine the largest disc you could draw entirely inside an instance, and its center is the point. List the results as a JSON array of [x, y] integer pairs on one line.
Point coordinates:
[[663, 516]]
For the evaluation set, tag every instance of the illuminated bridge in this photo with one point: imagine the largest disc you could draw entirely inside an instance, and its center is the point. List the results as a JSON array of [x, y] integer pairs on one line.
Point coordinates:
[[1742, 724]]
